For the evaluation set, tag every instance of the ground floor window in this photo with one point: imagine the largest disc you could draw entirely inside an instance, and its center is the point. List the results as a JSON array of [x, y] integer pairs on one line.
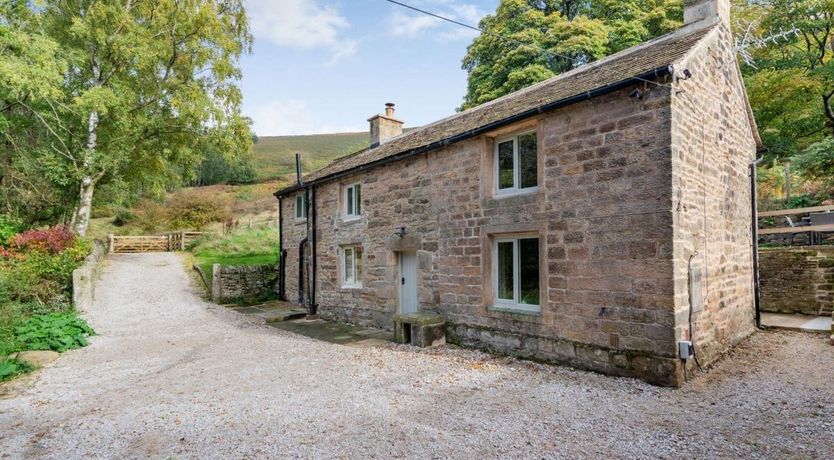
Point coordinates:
[[352, 266], [516, 273]]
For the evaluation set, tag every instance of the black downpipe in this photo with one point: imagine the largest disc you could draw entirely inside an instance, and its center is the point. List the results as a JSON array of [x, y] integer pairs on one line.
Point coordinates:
[[282, 276], [301, 247], [314, 262], [754, 203], [282, 262]]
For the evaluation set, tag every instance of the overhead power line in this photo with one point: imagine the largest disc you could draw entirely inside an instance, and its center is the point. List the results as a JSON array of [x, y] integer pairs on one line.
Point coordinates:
[[504, 37]]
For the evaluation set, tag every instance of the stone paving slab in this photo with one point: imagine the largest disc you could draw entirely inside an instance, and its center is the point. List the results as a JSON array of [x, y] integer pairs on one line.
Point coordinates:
[[797, 322], [343, 334]]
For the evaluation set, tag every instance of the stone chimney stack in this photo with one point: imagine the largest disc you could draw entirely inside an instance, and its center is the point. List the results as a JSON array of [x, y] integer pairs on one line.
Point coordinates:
[[384, 127], [700, 10]]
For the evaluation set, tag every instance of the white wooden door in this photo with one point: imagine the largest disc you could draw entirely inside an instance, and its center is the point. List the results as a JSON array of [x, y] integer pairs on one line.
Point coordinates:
[[408, 282]]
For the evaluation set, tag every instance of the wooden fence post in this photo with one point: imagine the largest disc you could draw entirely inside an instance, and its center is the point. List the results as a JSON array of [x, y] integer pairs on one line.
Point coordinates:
[[169, 242], [182, 240], [110, 240]]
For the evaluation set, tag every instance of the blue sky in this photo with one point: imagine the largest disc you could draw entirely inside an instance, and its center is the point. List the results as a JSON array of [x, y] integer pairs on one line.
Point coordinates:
[[321, 66]]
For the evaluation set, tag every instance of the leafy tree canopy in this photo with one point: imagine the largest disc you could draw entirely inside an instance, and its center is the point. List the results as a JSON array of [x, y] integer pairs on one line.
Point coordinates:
[[144, 84], [572, 32]]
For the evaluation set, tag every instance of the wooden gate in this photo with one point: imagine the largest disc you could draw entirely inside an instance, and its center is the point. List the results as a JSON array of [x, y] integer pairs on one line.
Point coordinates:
[[138, 243], [175, 241]]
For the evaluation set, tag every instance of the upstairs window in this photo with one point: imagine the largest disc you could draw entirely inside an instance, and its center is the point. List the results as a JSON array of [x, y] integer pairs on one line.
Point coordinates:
[[516, 168], [352, 266], [301, 206], [353, 200], [516, 274]]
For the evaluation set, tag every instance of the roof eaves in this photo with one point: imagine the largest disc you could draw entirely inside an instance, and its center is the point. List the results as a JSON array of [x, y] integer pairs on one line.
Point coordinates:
[[658, 72]]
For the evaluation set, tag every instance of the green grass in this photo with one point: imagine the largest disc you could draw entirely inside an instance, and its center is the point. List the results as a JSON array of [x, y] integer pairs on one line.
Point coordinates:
[[275, 155], [243, 247]]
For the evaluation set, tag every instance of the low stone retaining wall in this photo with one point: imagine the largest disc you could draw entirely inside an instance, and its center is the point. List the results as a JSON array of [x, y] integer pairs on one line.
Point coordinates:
[[247, 282], [797, 280], [84, 277]]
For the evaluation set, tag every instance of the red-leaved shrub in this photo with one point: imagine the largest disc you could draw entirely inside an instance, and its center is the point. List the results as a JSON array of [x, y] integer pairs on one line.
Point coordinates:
[[6, 254], [51, 240]]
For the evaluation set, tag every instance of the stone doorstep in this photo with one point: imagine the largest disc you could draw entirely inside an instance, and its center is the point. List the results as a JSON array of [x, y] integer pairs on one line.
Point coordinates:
[[420, 319], [420, 329]]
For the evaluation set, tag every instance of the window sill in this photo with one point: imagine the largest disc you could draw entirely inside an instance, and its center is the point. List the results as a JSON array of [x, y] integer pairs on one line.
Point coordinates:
[[299, 221], [351, 287], [513, 193], [351, 219], [517, 309]]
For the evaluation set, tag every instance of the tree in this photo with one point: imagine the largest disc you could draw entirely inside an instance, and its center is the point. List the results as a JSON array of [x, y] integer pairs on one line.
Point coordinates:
[[30, 75], [145, 81], [509, 55], [791, 79]]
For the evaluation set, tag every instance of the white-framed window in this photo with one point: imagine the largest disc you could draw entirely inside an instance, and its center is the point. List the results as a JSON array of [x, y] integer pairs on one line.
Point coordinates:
[[516, 164], [515, 267], [301, 206], [352, 266], [353, 200]]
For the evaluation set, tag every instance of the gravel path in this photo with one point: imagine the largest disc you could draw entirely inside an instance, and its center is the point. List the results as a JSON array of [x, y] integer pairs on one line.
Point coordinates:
[[172, 376]]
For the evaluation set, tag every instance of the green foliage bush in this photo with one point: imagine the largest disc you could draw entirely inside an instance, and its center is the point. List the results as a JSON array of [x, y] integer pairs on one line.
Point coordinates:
[[194, 211], [151, 216], [53, 331], [39, 276], [8, 228], [123, 217], [10, 368]]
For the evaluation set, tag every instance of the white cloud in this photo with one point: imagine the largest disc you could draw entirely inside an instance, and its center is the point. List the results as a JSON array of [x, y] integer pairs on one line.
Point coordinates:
[[301, 24], [412, 24], [292, 117]]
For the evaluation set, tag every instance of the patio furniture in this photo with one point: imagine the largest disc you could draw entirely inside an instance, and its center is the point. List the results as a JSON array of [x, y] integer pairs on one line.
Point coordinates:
[[820, 218]]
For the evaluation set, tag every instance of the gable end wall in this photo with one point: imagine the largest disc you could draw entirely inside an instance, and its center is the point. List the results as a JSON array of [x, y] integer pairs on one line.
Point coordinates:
[[712, 147]]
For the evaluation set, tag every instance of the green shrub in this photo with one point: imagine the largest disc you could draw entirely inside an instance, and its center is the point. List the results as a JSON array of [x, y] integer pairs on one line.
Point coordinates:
[[123, 217], [194, 211], [39, 276], [151, 216], [10, 368], [8, 228], [53, 331]]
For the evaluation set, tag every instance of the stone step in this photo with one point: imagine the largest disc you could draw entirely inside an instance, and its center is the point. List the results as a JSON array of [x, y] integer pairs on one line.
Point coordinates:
[[285, 315]]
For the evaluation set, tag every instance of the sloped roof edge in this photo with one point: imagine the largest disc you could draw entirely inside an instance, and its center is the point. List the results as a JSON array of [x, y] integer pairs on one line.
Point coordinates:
[[645, 61]]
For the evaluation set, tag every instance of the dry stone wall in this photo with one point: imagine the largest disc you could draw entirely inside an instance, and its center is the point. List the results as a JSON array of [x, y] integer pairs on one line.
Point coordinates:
[[797, 280], [84, 278], [249, 282]]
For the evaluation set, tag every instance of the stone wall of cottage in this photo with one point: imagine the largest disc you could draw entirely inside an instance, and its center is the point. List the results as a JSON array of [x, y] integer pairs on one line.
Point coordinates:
[[293, 232], [797, 280], [602, 213], [712, 147]]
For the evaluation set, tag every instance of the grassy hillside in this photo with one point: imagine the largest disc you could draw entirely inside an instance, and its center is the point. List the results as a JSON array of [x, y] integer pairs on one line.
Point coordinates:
[[275, 155]]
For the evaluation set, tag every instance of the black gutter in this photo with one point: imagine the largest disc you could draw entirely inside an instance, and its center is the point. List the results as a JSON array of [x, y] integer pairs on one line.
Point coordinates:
[[658, 72], [754, 202]]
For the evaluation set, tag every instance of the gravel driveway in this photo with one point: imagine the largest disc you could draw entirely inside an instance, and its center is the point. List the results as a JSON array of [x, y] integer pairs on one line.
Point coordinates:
[[170, 375]]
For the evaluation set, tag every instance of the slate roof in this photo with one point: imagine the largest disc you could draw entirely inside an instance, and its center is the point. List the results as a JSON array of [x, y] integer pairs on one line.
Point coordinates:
[[648, 57]]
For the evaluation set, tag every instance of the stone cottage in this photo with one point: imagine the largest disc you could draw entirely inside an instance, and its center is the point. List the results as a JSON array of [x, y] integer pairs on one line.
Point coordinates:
[[595, 219]]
